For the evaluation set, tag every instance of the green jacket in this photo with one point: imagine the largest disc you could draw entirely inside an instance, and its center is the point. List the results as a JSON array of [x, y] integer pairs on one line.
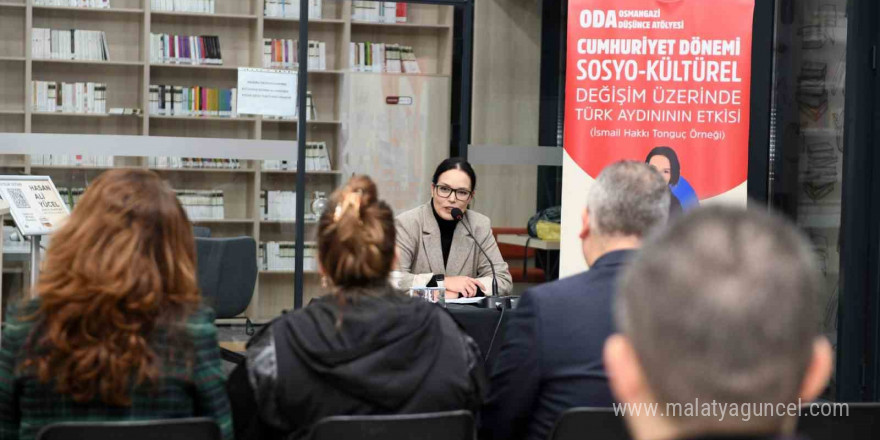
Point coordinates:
[[26, 405]]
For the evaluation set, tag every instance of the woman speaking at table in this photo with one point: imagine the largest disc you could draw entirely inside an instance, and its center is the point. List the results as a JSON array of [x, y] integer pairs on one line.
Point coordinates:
[[444, 237]]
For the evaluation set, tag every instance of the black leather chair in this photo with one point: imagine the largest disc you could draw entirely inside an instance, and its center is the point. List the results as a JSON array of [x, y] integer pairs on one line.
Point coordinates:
[[858, 421], [449, 425], [200, 428], [589, 423], [227, 272]]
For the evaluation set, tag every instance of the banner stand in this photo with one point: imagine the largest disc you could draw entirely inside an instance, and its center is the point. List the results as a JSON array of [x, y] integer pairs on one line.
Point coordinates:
[[35, 262]]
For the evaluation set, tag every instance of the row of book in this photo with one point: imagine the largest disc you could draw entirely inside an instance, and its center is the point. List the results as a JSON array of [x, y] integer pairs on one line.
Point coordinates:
[[317, 159], [278, 205], [381, 57], [281, 255], [284, 54], [71, 160], [185, 49], [69, 44], [200, 6], [171, 100], [202, 204], [378, 12], [97, 4], [193, 162], [80, 97], [290, 8]]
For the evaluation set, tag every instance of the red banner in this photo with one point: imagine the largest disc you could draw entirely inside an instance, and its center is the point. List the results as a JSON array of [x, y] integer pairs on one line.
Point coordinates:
[[643, 74]]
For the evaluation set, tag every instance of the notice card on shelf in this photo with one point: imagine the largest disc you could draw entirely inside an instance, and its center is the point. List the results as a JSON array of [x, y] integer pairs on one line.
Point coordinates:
[[34, 202], [266, 92]]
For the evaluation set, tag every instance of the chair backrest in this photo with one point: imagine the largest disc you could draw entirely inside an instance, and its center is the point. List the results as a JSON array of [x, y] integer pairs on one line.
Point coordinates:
[[201, 231], [227, 270], [589, 423], [201, 428], [449, 425], [855, 421]]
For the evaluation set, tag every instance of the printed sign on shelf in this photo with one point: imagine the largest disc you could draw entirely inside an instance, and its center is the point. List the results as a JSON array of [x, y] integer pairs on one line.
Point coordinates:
[[266, 92], [664, 82], [34, 202]]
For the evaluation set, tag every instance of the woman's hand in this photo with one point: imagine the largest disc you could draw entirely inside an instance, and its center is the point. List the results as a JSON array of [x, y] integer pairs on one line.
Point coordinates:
[[465, 287]]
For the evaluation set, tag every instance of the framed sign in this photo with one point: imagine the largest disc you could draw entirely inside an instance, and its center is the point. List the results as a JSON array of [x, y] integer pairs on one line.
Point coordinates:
[[34, 203]]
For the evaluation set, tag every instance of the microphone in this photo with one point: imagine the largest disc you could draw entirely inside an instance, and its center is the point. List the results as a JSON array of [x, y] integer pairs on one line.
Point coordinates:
[[457, 214]]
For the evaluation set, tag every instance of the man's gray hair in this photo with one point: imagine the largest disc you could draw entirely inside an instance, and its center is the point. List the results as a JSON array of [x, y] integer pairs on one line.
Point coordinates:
[[723, 306], [628, 198]]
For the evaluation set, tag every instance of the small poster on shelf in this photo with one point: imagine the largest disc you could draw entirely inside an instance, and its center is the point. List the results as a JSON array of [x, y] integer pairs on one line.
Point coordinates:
[[267, 92], [34, 202]]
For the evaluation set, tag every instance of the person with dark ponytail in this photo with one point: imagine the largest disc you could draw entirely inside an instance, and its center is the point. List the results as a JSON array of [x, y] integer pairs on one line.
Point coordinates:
[[364, 348], [431, 241]]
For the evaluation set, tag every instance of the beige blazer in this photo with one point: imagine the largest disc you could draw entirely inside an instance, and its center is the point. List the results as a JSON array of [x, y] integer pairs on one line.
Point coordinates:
[[420, 254]]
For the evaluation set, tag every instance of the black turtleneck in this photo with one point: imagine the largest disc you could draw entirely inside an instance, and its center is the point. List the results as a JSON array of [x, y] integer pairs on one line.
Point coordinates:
[[447, 230]]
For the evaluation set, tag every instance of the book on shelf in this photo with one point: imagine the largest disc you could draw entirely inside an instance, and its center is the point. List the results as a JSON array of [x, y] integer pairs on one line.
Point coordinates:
[[198, 6], [382, 58], [281, 256], [284, 54], [71, 160], [69, 44], [185, 49], [378, 12], [290, 9], [311, 111], [317, 159], [170, 100], [202, 204], [70, 196], [81, 97], [95, 4], [193, 163], [278, 205]]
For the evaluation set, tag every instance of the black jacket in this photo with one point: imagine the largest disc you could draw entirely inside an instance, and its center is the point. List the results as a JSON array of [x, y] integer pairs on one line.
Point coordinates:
[[383, 353], [551, 357]]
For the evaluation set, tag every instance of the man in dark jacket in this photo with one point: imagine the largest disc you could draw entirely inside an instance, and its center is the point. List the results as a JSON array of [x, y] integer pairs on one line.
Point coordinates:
[[370, 352], [551, 358]]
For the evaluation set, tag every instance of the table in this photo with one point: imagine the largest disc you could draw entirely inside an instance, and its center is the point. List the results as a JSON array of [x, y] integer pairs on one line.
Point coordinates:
[[480, 324], [528, 241]]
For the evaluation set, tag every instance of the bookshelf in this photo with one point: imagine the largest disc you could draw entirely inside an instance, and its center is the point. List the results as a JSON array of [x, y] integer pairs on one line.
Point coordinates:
[[241, 27]]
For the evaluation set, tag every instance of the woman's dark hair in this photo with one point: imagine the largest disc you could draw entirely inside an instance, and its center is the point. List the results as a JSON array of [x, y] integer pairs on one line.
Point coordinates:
[[456, 163], [674, 164], [356, 236]]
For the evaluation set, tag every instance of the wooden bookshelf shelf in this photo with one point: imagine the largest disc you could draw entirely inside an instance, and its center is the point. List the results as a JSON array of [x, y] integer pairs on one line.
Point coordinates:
[[205, 118], [224, 221], [242, 28], [174, 14], [194, 66], [331, 172], [401, 25], [90, 62], [333, 21], [205, 170], [89, 10]]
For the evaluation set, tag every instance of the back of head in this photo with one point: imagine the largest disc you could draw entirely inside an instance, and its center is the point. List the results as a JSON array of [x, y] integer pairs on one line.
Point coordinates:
[[722, 306], [356, 236], [628, 199], [123, 263]]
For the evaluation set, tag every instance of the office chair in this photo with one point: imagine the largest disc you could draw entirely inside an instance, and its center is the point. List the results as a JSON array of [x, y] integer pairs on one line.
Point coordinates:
[[199, 428], [227, 273], [589, 423], [448, 425]]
